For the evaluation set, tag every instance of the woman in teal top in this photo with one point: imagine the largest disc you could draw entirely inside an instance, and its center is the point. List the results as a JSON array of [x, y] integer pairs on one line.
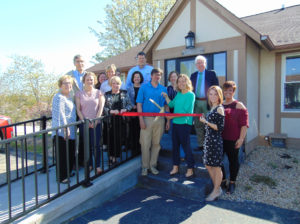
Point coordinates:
[[182, 103]]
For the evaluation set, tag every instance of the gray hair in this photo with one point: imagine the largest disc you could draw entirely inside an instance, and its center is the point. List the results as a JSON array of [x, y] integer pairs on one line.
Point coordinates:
[[76, 57], [200, 57]]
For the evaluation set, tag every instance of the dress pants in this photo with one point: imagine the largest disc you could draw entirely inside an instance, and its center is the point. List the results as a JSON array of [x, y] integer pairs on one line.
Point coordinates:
[[150, 140], [200, 108], [62, 158]]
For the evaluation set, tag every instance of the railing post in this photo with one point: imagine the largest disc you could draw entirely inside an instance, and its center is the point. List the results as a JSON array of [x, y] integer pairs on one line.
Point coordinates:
[[86, 143], [43, 127]]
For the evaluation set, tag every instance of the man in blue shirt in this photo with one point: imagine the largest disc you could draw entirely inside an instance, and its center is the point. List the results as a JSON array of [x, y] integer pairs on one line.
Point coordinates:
[[142, 67], [152, 128], [78, 73]]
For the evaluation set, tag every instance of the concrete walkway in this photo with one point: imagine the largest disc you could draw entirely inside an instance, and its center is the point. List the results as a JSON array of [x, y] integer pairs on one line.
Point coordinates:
[[149, 206]]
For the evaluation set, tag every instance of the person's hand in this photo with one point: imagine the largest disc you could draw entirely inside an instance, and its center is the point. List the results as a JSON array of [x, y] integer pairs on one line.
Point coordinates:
[[67, 133], [168, 125], [114, 111], [164, 95], [123, 110], [134, 107], [142, 124], [91, 125], [202, 119], [239, 143]]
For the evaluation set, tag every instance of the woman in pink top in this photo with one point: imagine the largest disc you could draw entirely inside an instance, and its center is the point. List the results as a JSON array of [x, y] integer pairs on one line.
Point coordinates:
[[89, 104], [236, 124]]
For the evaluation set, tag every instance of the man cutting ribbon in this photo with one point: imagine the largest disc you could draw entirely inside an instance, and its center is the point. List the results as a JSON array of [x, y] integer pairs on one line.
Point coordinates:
[[152, 128]]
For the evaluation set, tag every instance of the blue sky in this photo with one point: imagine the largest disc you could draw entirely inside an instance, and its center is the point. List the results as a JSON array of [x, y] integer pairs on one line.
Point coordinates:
[[53, 31]]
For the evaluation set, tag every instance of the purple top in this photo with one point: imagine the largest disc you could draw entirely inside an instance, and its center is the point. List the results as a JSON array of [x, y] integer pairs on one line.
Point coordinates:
[[89, 105]]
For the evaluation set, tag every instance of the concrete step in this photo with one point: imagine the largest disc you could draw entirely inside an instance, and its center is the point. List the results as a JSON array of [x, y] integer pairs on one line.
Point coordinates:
[[166, 164], [194, 188]]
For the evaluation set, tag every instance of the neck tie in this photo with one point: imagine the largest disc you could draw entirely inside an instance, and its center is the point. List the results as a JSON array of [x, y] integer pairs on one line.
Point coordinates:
[[199, 84]]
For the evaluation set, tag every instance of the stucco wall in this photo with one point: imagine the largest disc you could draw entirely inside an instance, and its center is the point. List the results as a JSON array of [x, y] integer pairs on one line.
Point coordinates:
[[175, 36], [290, 126], [267, 92], [210, 27], [252, 70]]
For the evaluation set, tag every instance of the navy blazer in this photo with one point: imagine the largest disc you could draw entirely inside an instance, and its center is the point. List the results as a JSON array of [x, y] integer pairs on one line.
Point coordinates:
[[210, 79]]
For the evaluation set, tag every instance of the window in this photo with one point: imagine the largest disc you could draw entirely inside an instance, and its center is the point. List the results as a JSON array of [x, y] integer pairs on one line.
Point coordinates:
[[216, 61], [291, 83]]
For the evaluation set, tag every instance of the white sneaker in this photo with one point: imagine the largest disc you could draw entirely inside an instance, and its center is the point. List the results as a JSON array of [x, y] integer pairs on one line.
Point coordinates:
[[154, 170], [144, 172]]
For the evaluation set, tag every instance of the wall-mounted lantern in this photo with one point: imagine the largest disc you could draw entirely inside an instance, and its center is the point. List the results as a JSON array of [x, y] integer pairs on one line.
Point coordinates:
[[190, 40]]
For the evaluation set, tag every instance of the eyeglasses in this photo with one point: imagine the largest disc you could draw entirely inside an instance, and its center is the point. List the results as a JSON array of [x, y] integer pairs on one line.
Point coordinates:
[[67, 83]]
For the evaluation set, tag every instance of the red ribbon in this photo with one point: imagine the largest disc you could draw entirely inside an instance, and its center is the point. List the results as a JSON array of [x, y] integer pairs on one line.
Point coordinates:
[[135, 114]]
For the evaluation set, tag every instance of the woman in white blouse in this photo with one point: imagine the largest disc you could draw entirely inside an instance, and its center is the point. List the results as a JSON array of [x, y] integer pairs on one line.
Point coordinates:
[[63, 113]]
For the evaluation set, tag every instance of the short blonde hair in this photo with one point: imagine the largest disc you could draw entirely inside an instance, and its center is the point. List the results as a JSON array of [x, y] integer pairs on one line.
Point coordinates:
[[90, 74], [219, 92], [111, 67], [189, 85], [116, 79], [64, 78]]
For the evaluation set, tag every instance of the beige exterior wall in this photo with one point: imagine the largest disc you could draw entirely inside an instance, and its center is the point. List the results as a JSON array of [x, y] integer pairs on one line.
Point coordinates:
[[252, 71], [175, 35], [267, 92], [290, 126], [210, 26]]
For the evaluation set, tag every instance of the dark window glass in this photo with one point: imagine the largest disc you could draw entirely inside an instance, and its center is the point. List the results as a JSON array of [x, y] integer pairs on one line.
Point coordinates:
[[292, 84]]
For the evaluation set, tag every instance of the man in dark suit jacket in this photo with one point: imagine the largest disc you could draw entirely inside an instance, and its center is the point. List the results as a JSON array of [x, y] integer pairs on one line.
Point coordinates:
[[202, 80]]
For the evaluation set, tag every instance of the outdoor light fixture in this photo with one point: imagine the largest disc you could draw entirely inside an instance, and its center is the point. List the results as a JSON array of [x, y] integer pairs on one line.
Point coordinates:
[[190, 40]]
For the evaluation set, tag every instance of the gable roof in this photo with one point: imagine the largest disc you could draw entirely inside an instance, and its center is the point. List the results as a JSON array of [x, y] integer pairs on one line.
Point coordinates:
[[123, 61], [214, 6], [281, 25]]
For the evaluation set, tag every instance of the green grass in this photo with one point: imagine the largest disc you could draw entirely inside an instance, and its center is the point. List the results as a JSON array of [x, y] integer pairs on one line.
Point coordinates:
[[272, 165], [264, 180], [30, 146], [248, 188], [295, 161]]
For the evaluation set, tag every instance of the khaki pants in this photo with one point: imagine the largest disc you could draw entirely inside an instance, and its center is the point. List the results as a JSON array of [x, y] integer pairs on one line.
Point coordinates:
[[150, 141], [200, 107]]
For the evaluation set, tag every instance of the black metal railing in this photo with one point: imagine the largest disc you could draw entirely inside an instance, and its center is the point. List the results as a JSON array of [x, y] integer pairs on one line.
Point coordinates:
[[33, 162]]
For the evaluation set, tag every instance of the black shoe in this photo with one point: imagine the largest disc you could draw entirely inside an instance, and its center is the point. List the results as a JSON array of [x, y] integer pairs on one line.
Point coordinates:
[[224, 185], [199, 148], [231, 188]]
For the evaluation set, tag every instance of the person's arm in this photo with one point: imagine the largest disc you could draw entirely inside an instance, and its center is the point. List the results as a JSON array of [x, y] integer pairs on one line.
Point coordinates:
[[141, 119], [216, 127], [78, 107], [167, 109], [101, 105], [128, 79], [127, 103], [244, 119]]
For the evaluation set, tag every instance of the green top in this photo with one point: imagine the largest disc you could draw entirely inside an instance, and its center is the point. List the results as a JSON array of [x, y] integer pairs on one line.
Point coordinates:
[[183, 104]]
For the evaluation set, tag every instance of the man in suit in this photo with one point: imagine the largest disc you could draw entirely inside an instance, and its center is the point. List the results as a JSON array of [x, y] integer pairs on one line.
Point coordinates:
[[202, 80], [77, 74]]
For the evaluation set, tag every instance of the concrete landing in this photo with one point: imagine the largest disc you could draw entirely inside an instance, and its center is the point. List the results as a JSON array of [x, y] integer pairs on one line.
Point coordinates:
[[150, 206]]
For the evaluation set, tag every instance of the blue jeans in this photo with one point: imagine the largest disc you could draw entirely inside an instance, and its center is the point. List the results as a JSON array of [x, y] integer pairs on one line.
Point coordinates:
[[170, 133], [181, 136]]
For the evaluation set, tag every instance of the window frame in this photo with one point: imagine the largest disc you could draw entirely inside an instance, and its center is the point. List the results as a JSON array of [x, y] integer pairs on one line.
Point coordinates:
[[208, 56], [283, 82]]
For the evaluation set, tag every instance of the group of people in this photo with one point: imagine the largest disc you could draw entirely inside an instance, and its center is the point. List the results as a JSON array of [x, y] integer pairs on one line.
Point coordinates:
[[221, 128]]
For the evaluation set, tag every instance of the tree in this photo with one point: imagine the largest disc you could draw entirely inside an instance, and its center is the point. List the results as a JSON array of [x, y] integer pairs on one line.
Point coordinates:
[[27, 87], [129, 23]]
